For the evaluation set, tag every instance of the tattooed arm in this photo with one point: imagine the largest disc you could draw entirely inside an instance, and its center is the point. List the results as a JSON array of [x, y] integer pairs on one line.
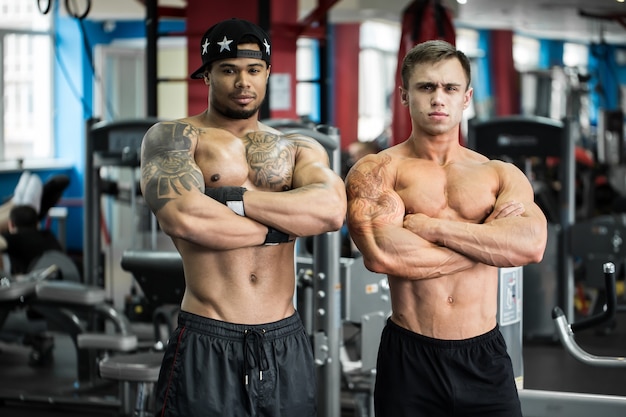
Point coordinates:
[[375, 220], [312, 198], [173, 187]]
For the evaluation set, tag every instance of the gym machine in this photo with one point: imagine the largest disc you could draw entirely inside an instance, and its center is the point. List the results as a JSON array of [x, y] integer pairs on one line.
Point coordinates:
[[77, 310], [109, 146], [520, 139], [364, 308], [325, 324], [537, 403]]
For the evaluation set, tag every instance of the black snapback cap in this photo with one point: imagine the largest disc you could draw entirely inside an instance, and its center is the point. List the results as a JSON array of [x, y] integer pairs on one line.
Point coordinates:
[[221, 40]]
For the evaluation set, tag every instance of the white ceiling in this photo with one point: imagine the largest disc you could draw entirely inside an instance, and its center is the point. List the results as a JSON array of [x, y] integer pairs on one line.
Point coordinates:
[[551, 19]]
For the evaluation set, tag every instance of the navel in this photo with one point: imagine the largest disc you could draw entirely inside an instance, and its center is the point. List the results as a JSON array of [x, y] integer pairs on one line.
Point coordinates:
[[450, 300], [253, 278], [286, 187], [215, 177]]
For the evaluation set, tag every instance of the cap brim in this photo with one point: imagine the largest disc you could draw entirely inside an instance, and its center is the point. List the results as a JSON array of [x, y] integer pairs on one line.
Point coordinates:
[[197, 74]]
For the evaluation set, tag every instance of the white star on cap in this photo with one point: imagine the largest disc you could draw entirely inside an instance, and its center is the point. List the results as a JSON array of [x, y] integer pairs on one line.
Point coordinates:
[[267, 46], [224, 44], [205, 46]]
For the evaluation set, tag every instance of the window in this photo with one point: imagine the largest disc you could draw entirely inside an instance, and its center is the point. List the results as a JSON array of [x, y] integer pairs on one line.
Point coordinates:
[[119, 84], [576, 55], [308, 84], [378, 60], [525, 53], [25, 82]]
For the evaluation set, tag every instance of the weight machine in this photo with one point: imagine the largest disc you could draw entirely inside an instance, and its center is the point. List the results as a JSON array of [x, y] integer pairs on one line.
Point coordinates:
[[109, 145], [536, 403], [520, 139], [323, 316]]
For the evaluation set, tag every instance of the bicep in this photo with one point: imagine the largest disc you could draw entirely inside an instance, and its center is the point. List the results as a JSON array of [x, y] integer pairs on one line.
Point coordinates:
[[373, 205], [312, 165]]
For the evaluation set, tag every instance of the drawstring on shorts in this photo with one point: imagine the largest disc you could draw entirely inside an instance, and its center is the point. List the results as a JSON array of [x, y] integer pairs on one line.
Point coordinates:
[[254, 353]]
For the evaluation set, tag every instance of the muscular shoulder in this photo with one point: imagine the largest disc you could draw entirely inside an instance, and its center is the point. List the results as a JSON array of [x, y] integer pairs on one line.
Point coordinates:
[[171, 136], [512, 182], [374, 172], [505, 169], [301, 138]]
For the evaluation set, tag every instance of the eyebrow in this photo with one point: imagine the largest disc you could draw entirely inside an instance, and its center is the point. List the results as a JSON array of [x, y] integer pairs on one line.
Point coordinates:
[[429, 83]]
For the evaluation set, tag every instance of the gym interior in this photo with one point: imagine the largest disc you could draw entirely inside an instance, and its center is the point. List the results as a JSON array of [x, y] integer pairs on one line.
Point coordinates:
[[83, 80]]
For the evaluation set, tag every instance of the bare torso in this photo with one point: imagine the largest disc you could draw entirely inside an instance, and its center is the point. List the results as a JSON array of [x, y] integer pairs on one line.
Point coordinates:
[[455, 306], [252, 285]]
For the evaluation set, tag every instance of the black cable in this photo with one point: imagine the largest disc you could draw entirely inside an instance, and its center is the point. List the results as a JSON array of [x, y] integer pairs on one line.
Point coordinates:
[[86, 44], [72, 10], [46, 9]]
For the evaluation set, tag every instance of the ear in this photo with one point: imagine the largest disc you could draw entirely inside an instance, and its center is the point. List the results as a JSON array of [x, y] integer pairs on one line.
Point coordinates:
[[468, 98], [269, 69], [206, 78], [404, 96]]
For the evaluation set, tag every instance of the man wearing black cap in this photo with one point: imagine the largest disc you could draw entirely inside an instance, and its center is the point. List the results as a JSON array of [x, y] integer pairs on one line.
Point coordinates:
[[233, 194]]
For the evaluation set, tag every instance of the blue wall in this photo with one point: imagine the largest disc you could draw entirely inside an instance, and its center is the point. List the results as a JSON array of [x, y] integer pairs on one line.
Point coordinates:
[[73, 97]]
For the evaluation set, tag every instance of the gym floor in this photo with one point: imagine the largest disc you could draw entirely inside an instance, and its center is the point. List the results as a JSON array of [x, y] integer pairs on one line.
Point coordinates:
[[546, 367]]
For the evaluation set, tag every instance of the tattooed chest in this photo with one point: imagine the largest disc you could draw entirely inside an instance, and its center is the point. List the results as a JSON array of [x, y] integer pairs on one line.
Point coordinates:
[[266, 165]]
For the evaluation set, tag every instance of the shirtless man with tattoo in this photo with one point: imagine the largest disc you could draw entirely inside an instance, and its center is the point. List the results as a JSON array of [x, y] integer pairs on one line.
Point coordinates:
[[439, 219], [233, 194]]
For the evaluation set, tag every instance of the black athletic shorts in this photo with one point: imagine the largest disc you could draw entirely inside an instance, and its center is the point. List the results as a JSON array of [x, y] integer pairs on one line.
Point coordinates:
[[212, 368], [421, 376]]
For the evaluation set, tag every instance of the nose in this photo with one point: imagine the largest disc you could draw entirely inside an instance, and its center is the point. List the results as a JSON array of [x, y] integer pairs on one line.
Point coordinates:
[[436, 98], [241, 81]]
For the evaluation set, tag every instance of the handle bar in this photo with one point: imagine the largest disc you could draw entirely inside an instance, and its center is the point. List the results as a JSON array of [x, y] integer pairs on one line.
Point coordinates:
[[566, 331], [611, 302]]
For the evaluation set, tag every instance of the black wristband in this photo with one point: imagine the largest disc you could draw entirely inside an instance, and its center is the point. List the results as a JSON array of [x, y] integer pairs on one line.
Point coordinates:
[[229, 196], [274, 237]]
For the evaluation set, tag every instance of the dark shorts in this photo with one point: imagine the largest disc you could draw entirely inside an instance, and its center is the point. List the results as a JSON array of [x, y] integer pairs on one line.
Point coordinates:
[[421, 376], [213, 368]]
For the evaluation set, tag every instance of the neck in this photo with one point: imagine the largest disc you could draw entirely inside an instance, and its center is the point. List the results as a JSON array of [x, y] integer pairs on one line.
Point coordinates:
[[235, 126], [441, 149]]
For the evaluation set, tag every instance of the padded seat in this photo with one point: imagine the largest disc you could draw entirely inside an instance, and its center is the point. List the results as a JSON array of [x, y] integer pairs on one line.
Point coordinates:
[[70, 293], [135, 367], [102, 341], [137, 374]]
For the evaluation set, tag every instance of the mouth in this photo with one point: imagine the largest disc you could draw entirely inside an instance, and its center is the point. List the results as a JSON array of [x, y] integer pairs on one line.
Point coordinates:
[[437, 115], [243, 99]]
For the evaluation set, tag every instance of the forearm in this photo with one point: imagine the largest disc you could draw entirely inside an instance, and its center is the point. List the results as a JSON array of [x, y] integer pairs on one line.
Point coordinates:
[[511, 241], [210, 225], [304, 211], [401, 253]]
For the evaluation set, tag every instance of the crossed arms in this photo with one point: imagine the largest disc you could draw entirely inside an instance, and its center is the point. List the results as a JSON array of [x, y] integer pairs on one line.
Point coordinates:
[[416, 246], [173, 186]]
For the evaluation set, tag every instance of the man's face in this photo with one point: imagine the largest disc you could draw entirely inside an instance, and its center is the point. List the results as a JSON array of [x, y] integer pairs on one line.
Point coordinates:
[[238, 85], [436, 96]]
